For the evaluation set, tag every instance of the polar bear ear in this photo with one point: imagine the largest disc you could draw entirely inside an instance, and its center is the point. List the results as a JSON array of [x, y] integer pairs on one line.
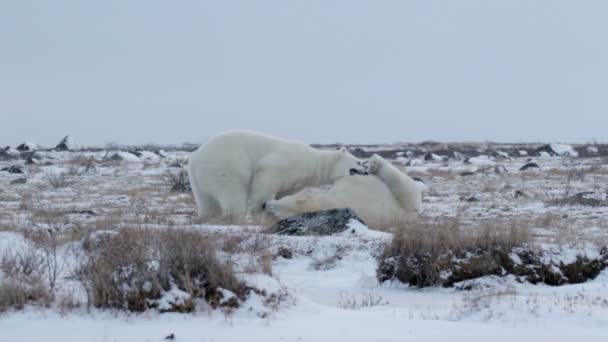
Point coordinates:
[[343, 149]]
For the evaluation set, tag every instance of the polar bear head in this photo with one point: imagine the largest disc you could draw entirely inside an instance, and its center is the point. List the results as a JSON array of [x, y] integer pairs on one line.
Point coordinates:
[[346, 164], [374, 163]]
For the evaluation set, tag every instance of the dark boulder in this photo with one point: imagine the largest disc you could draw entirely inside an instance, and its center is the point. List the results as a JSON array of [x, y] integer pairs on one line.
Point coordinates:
[[467, 174], [13, 169], [63, 144], [529, 166], [318, 223], [5, 155], [22, 180]]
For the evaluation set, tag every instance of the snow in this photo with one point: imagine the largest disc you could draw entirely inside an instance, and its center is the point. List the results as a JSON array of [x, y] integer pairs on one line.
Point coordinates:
[[341, 301], [564, 150]]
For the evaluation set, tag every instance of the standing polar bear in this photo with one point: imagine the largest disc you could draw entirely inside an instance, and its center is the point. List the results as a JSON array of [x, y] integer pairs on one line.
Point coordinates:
[[384, 199], [234, 173]]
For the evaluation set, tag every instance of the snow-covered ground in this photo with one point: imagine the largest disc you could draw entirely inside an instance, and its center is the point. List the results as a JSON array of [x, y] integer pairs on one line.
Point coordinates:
[[329, 287]]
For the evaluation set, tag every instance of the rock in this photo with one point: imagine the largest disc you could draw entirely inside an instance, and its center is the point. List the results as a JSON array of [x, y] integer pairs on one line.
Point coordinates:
[[555, 150], [415, 162], [87, 212], [529, 166], [22, 180], [63, 144], [522, 153], [13, 169], [498, 155], [519, 193], [467, 173], [586, 198], [285, 252], [458, 156], [472, 199], [418, 179], [161, 153], [5, 155], [319, 223], [592, 150], [175, 164], [434, 157], [359, 153], [25, 147], [500, 169]]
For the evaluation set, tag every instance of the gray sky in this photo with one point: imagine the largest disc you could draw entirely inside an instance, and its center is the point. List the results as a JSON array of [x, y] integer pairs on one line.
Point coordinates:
[[317, 71]]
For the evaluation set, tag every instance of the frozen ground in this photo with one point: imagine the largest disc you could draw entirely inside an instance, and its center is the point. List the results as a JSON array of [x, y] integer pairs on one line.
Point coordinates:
[[325, 298]]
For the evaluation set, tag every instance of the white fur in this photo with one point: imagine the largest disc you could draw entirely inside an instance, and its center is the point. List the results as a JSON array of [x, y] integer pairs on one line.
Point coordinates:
[[235, 172], [387, 199], [406, 190]]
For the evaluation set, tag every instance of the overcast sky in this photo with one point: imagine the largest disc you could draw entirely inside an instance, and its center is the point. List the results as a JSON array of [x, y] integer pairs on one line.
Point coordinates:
[[318, 71]]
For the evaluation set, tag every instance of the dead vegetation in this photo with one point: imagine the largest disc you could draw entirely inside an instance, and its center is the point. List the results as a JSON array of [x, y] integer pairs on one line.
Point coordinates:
[[135, 268], [445, 253]]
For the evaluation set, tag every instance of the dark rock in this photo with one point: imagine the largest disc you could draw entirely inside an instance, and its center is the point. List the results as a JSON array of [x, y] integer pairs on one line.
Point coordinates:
[[455, 266], [5, 155], [19, 181], [161, 153], [170, 337], [116, 157], [87, 212], [519, 193], [285, 252], [467, 173], [23, 147], [498, 155], [317, 223], [429, 157], [360, 153], [418, 179], [548, 149], [472, 199], [63, 144], [136, 153], [13, 169], [529, 166], [500, 169]]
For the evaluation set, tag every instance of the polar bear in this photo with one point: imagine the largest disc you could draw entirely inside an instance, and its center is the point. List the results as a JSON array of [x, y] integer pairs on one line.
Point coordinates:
[[234, 173], [386, 198]]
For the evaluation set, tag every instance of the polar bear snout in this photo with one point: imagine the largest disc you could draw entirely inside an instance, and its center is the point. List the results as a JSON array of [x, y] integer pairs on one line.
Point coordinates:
[[357, 172]]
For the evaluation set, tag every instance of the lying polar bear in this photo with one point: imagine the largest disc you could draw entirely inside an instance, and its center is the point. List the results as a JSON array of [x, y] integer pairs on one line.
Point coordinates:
[[385, 198], [235, 172]]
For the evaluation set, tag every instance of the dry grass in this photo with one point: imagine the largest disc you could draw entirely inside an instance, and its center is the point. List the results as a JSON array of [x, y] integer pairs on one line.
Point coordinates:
[[420, 252], [132, 270], [23, 280]]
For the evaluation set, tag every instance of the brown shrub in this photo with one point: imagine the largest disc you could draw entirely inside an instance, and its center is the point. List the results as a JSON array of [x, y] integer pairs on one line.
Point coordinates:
[[133, 269]]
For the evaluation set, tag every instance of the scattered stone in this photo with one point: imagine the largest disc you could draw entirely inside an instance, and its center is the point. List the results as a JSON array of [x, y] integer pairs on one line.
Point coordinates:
[[520, 194], [452, 267], [13, 169], [418, 179], [529, 166], [431, 157], [285, 252], [472, 199], [170, 337], [318, 223], [25, 147], [415, 162], [458, 156], [87, 212], [522, 153], [63, 144], [5, 155], [500, 169], [22, 180], [499, 155], [161, 153], [359, 153], [467, 174], [555, 150]]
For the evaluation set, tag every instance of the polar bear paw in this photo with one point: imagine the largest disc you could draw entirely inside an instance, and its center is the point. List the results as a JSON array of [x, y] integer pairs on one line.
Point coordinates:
[[373, 166]]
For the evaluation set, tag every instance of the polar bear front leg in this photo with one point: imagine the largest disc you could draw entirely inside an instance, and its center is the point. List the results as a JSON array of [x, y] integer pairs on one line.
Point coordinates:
[[263, 188]]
